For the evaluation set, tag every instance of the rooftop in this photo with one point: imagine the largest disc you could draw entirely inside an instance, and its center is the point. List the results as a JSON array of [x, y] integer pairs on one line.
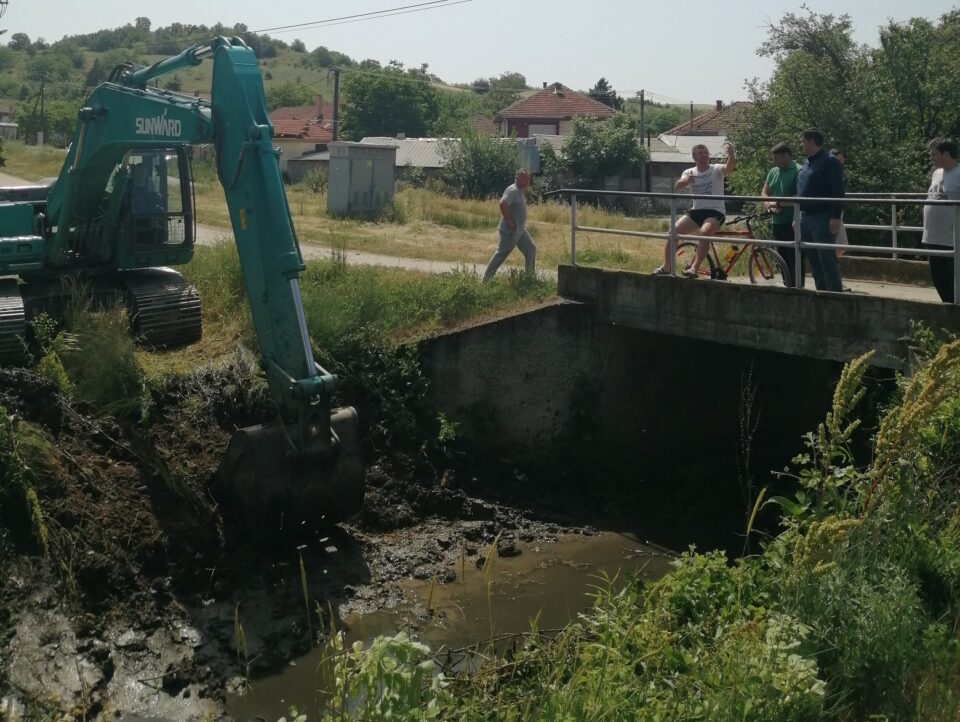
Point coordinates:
[[310, 123], [556, 101], [719, 121]]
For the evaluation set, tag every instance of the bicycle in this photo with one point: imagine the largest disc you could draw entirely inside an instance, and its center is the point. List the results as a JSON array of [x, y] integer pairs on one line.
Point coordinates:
[[764, 265]]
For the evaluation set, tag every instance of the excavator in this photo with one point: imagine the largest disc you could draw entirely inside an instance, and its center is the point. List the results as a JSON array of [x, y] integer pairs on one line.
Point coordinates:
[[121, 213]]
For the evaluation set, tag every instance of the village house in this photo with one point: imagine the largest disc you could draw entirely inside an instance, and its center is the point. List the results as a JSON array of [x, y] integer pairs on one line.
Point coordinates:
[[302, 130], [549, 112]]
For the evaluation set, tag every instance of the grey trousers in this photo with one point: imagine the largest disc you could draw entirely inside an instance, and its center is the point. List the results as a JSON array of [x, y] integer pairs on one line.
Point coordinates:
[[509, 241]]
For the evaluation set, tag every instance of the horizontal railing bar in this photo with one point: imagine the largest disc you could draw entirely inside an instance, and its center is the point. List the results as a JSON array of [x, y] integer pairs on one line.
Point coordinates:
[[614, 231], [866, 227], [758, 199], [770, 242]]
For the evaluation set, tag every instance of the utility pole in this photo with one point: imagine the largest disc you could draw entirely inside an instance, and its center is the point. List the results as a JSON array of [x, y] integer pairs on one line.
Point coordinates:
[[691, 115], [643, 171], [642, 127], [43, 117], [336, 102]]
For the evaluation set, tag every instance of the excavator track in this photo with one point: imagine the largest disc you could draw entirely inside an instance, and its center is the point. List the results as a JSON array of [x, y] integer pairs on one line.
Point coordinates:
[[12, 322], [164, 308]]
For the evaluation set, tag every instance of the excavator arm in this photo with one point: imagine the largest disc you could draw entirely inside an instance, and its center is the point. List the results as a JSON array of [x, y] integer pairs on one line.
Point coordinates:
[[304, 465]]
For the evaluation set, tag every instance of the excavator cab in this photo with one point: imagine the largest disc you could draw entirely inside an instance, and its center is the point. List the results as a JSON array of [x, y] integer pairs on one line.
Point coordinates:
[[157, 227]]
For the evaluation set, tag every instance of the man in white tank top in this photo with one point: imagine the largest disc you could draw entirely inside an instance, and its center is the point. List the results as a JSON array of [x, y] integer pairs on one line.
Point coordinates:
[[706, 215]]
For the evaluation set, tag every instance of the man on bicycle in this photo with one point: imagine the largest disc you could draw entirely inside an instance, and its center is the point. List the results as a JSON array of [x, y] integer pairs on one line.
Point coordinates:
[[782, 182], [706, 215]]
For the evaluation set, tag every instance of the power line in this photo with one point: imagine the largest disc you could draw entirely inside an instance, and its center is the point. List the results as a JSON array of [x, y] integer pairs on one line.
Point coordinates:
[[330, 24], [313, 23]]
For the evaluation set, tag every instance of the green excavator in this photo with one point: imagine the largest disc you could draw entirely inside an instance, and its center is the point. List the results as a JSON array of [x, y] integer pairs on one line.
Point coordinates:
[[120, 214]]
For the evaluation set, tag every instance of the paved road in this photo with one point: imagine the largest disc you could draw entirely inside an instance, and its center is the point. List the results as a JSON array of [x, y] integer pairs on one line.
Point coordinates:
[[209, 234]]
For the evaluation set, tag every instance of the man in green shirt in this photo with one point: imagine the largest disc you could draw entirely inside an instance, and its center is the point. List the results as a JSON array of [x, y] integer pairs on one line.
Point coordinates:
[[782, 182]]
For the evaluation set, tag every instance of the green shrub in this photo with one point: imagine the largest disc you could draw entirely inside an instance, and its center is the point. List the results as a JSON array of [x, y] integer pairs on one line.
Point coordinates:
[[316, 181], [479, 166], [103, 367]]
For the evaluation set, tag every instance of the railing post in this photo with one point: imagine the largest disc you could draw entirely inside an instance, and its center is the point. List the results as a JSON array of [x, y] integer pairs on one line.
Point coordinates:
[[672, 240], [797, 257], [956, 244], [573, 229], [893, 226]]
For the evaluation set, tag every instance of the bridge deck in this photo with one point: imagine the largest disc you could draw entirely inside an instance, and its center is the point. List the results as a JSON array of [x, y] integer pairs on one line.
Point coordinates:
[[830, 326]]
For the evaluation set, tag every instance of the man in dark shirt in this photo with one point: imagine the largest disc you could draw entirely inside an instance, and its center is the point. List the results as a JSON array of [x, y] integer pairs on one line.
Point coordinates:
[[820, 177]]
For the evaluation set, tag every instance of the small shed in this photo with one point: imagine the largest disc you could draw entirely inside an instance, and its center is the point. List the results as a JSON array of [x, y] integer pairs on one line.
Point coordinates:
[[361, 178], [8, 131]]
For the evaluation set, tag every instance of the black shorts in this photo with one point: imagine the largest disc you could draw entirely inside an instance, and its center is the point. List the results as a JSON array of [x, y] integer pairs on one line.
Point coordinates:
[[700, 215]]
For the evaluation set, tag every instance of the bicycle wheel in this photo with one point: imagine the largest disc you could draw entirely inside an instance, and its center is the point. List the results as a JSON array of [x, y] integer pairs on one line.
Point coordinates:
[[767, 268], [687, 252]]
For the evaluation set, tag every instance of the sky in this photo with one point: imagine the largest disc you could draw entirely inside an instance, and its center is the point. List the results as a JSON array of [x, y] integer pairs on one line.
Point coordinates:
[[696, 50]]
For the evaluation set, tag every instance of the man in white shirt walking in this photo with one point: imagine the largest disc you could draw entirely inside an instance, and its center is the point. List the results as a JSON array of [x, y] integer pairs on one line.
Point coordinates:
[[938, 231]]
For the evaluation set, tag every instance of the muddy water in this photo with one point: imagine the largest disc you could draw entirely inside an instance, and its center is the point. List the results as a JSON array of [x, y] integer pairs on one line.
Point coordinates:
[[552, 582]]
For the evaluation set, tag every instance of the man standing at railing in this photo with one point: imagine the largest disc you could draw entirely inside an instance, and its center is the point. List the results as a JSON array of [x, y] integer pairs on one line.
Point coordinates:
[[513, 227], [820, 177], [706, 215], [782, 182], [938, 231]]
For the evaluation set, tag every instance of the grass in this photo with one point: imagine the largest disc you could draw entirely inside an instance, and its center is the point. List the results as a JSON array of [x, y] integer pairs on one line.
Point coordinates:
[[32, 162], [436, 227], [343, 302]]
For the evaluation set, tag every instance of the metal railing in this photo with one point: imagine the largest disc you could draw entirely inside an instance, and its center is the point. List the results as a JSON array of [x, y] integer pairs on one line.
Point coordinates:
[[896, 201]]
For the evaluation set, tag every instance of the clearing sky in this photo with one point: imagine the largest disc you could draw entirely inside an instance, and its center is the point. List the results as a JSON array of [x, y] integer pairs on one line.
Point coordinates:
[[698, 51]]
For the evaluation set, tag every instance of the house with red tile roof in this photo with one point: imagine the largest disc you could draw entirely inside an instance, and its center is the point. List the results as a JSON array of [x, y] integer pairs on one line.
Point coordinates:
[[482, 125], [722, 120], [303, 129], [549, 112]]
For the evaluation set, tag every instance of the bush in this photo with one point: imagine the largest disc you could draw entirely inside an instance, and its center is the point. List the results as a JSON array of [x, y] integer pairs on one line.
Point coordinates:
[[316, 181], [479, 166], [102, 366]]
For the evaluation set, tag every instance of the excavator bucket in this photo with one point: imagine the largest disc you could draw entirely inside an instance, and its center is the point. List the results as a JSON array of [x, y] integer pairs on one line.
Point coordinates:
[[267, 486]]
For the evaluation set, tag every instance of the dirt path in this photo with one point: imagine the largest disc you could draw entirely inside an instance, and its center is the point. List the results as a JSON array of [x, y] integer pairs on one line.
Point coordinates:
[[207, 235]]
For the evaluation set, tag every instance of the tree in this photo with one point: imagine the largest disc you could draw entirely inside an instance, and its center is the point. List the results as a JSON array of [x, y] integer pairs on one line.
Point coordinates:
[[595, 150], [96, 75], [387, 102], [287, 95], [603, 93], [502, 91], [60, 116], [142, 23], [881, 105], [7, 59], [20, 42], [478, 166], [297, 46], [454, 110]]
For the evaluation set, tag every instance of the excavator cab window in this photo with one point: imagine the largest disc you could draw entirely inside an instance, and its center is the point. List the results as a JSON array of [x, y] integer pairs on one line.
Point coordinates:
[[158, 192]]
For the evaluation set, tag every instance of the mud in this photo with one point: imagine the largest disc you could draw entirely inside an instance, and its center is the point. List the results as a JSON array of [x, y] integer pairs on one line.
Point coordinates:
[[133, 611]]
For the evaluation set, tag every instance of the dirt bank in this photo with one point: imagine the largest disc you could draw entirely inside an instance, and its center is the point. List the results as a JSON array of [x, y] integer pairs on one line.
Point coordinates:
[[133, 604]]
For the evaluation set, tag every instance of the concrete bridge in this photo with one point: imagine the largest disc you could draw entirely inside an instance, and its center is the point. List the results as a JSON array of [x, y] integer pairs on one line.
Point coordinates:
[[798, 322]]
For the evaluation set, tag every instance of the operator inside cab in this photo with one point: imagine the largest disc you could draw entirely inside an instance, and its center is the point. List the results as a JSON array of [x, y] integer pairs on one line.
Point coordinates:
[[144, 199]]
